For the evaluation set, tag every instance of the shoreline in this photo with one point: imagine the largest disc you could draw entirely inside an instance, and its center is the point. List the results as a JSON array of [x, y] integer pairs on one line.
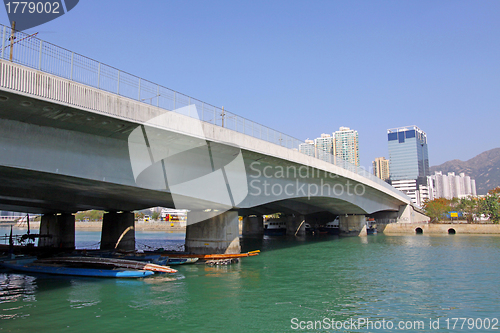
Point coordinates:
[[97, 226], [388, 229]]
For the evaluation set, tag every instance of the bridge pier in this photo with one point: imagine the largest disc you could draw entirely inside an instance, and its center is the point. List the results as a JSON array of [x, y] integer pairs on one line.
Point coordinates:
[[253, 226], [61, 229], [118, 228], [214, 234], [293, 223], [352, 225]]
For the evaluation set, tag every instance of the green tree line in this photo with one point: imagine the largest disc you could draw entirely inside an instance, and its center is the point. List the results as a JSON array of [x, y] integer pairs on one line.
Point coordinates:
[[472, 208]]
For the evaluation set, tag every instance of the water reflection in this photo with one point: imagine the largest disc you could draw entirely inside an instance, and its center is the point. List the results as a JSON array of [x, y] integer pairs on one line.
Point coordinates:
[[17, 291]]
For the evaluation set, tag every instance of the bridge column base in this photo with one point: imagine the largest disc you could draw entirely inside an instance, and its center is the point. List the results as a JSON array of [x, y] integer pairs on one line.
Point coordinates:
[[293, 223], [214, 234], [61, 229], [352, 225], [118, 228], [253, 226]]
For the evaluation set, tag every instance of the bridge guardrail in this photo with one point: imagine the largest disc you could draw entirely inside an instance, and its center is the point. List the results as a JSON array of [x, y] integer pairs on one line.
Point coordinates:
[[30, 51]]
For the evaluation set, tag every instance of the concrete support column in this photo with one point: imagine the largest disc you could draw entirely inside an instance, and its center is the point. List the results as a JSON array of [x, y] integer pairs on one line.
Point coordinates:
[[404, 214], [353, 225], [253, 226], [214, 234], [61, 231], [293, 223], [118, 228]]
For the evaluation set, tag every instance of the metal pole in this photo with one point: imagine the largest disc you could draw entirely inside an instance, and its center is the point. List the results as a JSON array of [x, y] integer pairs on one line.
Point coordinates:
[[12, 39], [118, 90], [3, 40], [99, 76], [203, 111], [174, 101], [40, 57], [222, 115], [139, 90], [215, 116], [72, 58], [157, 95]]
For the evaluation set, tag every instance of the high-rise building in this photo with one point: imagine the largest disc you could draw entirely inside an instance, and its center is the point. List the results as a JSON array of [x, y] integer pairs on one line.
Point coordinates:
[[381, 168], [342, 145], [308, 148], [325, 147], [409, 161], [450, 186], [347, 145]]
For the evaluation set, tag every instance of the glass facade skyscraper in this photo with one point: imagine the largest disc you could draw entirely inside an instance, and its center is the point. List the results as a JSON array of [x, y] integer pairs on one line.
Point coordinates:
[[408, 154], [409, 161]]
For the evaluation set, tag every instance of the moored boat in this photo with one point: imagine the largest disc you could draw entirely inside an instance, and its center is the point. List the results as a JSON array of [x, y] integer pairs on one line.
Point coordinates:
[[371, 226], [275, 228], [93, 262], [181, 261], [211, 256], [33, 265], [331, 228]]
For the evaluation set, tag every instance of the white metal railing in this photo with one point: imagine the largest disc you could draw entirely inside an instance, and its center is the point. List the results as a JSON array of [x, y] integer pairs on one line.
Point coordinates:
[[42, 56]]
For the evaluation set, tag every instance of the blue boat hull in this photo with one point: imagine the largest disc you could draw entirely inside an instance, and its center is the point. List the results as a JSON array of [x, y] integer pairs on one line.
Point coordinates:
[[90, 272]]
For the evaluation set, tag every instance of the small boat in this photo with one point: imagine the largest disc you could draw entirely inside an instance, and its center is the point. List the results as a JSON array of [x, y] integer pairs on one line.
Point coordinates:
[[371, 226], [32, 265], [331, 228], [172, 256], [181, 261], [115, 263], [275, 228], [157, 259]]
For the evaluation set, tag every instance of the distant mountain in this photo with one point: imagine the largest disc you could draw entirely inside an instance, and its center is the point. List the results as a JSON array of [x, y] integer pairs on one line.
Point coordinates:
[[484, 168]]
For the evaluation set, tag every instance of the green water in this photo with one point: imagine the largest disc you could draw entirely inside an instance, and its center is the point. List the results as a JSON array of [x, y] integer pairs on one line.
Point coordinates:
[[400, 278]]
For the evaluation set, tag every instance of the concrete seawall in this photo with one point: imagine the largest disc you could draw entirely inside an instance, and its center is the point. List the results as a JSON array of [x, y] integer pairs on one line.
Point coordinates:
[[438, 229]]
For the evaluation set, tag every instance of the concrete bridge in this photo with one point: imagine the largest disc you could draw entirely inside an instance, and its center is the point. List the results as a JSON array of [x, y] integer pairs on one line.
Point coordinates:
[[77, 135]]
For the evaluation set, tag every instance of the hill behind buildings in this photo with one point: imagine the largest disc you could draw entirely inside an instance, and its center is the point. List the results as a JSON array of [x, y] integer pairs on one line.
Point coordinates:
[[484, 168]]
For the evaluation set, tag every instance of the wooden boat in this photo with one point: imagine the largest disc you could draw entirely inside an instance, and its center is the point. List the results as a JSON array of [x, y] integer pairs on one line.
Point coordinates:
[[107, 263], [149, 258], [181, 261], [212, 256], [32, 265], [144, 257]]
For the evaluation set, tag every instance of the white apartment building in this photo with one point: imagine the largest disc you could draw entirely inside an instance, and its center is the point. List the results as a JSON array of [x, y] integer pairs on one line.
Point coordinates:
[[450, 186], [347, 145], [308, 148]]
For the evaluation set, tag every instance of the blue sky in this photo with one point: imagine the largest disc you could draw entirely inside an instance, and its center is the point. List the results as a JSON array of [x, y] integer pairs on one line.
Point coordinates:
[[309, 67]]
